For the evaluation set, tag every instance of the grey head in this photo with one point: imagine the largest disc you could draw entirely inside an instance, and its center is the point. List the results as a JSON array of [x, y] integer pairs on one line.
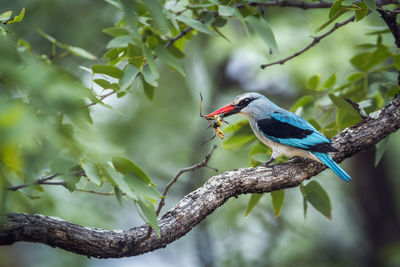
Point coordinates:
[[253, 106]]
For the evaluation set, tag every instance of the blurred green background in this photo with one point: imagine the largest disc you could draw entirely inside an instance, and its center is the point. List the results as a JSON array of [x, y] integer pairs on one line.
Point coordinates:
[[165, 135]]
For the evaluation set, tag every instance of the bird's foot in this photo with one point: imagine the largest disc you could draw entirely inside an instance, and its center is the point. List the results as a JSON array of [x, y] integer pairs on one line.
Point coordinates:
[[265, 164]]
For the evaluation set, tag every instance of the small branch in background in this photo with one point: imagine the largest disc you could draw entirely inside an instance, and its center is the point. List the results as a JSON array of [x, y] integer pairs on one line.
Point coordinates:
[[97, 192], [359, 109], [204, 163], [44, 181], [199, 165], [37, 182], [302, 5], [314, 42], [179, 36]]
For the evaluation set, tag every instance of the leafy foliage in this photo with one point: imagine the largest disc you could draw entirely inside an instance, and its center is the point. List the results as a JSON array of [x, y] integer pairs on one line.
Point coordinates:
[[45, 119]]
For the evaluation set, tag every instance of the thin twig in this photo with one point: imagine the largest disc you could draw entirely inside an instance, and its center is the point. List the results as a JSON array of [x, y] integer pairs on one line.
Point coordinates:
[[37, 182], [297, 4], [204, 163], [45, 180], [62, 183], [97, 192], [314, 42], [199, 165]]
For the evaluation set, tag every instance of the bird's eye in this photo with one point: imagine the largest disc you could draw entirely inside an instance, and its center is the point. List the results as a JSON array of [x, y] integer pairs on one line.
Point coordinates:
[[245, 102]]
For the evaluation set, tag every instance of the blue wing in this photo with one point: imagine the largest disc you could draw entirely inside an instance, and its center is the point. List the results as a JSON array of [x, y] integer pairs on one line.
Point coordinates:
[[292, 130]]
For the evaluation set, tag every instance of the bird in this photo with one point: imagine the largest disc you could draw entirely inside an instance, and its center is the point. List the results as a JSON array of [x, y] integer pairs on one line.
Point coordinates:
[[283, 131]]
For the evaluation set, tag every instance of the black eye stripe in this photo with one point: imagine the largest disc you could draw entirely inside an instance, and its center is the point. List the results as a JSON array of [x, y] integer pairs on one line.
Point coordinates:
[[245, 102]]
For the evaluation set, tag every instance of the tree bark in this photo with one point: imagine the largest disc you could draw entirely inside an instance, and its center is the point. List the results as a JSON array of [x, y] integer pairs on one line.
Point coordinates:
[[195, 207]]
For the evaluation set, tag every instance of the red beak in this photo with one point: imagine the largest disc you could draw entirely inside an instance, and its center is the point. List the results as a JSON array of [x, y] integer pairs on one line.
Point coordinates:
[[224, 110]]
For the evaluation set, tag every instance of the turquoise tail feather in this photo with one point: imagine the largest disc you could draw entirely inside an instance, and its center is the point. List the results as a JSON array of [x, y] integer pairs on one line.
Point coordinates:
[[328, 161]]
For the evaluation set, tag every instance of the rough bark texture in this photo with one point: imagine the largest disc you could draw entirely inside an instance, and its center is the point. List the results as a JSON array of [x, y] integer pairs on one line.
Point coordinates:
[[197, 205]]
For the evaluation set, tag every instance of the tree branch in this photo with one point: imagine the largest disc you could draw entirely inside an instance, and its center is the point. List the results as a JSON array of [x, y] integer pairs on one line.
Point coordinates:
[[390, 19], [44, 180], [298, 4], [314, 42], [197, 205], [204, 163]]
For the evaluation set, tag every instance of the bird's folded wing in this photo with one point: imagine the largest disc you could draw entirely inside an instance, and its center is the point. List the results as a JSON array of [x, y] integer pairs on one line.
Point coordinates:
[[292, 130]]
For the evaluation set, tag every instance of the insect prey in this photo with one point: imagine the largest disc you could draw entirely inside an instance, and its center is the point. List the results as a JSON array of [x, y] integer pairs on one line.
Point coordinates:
[[214, 122]]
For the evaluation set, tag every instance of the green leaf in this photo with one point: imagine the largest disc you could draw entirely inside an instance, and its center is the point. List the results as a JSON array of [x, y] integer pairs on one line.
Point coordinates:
[[71, 181], [313, 82], [116, 179], [111, 54], [80, 52], [242, 21], [380, 149], [177, 52], [118, 195], [362, 12], [138, 185], [103, 83], [355, 76], [219, 22], [263, 29], [330, 82], [119, 41], [260, 152], [236, 126], [371, 5], [17, 18], [149, 215], [394, 90], [197, 25], [302, 102], [124, 166], [6, 15], [128, 77], [148, 90], [92, 172], [336, 6], [226, 11], [341, 11], [254, 199], [111, 71], [239, 138], [3, 32], [343, 104], [155, 8], [149, 77], [169, 59], [150, 60], [318, 198], [115, 31], [23, 46], [278, 198], [260, 157]]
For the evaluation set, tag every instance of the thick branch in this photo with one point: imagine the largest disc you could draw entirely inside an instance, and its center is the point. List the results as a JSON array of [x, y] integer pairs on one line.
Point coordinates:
[[197, 205], [390, 19], [314, 42]]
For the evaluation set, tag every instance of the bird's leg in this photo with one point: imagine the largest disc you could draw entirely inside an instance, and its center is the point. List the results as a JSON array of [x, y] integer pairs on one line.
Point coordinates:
[[265, 164]]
